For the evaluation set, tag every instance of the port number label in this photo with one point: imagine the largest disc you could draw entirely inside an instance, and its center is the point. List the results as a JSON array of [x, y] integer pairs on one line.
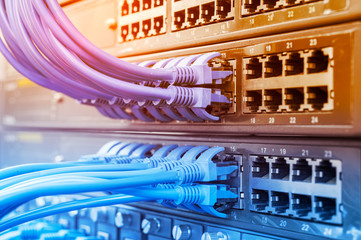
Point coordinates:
[[271, 17], [305, 227], [253, 120], [283, 151], [271, 120], [263, 150], [289, 45], [251, 21], [313, 42], [293, 120], [328, 153], [314, 120], [311, 9], [291, 14], [327, 232], [283, 223], [305, 152], [251, 51], [268, 48]]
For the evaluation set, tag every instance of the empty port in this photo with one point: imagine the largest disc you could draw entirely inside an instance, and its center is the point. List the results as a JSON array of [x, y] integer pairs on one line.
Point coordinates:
[[147, 4], [325, 207], [273, 67], [301, 204], [251, 5], [259, 199], [273, 99], [135, 6], [223, 8], [302, 171], [317, 62], [146, 24], [260, 168], [179, 18], [158, 3], [124, 32], [280, 169], [317, 96], [135, 29], [253, 100], [193, 15], [294, 97], [270, 3], [207, 11], [294, 64], [325, 173], [158, 24], [280, 202], [125, 8], [254, 69]]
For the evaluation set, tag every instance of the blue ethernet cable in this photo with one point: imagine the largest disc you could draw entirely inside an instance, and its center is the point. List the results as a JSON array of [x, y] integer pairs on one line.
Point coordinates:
[[203, 195], [83, 168]]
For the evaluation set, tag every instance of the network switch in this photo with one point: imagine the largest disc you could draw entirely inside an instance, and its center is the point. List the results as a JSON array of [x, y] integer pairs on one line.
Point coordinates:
[[300, 188], [164, 25], [296, 83]]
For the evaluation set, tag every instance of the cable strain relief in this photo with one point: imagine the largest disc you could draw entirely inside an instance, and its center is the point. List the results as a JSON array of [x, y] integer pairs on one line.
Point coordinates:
[[121, 160], [185, 76], [117, 102], [182, 96], [188, 195], [189, 173], [155, 162], [169, 165]]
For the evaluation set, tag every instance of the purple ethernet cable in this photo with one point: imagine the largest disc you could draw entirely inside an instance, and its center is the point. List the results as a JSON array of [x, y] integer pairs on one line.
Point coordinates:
[[44, 82], [65, 23]]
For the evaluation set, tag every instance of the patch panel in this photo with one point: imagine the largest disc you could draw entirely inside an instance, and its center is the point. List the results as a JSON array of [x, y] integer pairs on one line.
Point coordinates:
[[251, 7], [141, 19], [187, 14]]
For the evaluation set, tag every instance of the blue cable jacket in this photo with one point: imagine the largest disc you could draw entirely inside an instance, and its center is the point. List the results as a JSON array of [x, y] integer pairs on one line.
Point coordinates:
[[73, 187], [99, 167], [66, 207]]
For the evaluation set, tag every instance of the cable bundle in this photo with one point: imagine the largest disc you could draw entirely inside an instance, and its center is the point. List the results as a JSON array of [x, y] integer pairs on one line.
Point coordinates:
[[43, 45], [181, 176]]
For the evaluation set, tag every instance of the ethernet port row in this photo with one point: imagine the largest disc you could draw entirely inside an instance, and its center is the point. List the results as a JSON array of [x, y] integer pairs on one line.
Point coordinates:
[[145, 28], [288, 100], [250, 7], [288, 64], [206, 13], [321, 209]]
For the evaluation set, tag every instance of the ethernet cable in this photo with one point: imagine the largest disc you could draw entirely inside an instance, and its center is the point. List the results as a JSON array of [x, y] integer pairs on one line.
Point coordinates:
[[43, 45]]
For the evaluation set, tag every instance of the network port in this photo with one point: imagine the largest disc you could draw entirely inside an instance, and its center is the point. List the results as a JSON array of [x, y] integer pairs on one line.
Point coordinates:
[[270, 4], [158, 3], [224, 7], [273, 99], [193, 15], [135, 6], [280, 169], [125, 8], [260, 167], [302, 171], [325, 208], [253, 68], [207, 11], [294, 65], [260, 199], [317, 62], [124, 32], [179, 19], [294, 98], [280, 202], [158, 24], [147, 4], [301, 205], [253, 101], [325, 172], [250, 6], [146, 26], [273, 67], [135, 29], [317, 97]]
